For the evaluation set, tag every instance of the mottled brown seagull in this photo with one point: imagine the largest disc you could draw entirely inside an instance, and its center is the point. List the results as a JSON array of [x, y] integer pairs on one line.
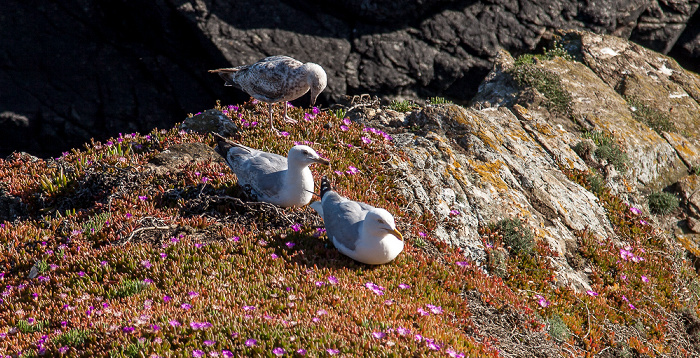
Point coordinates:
[[276, 79]]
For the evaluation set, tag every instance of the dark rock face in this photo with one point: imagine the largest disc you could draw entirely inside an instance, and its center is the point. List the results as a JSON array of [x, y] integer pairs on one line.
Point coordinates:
[[75, 69]]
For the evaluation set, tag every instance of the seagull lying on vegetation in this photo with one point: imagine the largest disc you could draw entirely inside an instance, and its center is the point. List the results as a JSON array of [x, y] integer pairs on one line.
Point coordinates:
[[272, 178], [276, 79], [359, 231]]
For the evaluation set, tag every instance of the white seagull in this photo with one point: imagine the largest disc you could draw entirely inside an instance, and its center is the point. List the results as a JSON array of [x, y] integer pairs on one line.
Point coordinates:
[[272, 178], [360, 231], [277, 79]]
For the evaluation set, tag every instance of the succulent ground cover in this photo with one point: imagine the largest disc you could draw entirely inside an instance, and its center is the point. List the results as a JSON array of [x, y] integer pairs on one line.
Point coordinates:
[[112, 259]]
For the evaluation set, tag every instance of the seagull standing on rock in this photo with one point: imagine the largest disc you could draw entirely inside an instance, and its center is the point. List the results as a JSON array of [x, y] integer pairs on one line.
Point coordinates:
[[277, 79], [360, 231], [272, 178]]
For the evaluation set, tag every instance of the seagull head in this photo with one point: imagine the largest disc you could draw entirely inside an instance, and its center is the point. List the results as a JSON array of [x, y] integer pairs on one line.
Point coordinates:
[[317, 80], [303, 156], [379, 222]]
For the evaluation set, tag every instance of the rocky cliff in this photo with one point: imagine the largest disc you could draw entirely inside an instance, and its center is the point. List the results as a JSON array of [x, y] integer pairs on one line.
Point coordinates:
[[556, 216], [77, 69]]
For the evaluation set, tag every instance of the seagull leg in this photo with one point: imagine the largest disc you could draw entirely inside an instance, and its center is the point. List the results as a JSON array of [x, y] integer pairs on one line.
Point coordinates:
[[287, 118], [272, 125]]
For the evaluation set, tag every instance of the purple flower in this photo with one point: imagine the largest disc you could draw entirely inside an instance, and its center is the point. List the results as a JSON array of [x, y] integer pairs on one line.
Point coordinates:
[[128, 329], [320, 283], [296, 227], [163, 255], [366, 140], [434, 309], [185, 306], [251, 342], [197, 353], [417, 337], [290, 244], [200, 325], [63, 350], [432, 345], [279, 351], [347, 121], [645, 279], [635, 211], [632, 306], [352, 170], [143, 197], [284, 134], [423, 312], [198, 245], [378, 335], [462, 263], [146, 264], [344, 128], [155, 327], [378, 290], [226, 353], [592, 293], [403, 331], [454, 212], [404, 286], [174, 323], [301, 351], [542, 301], [332, 351], [81, 273], [209, 343], [248, 308], [274, 256], [422, 234], [192, 294], [333, 280], [167, 298]]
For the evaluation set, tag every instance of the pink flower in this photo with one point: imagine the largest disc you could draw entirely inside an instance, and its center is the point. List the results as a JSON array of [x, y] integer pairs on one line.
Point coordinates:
[[378, 290], [635, 211], [290, 244], [462, 263], [434, 309], [366, 140], [167, 298], [423, 312], [284, 134], [592, 293], [296, 227], [417, 337], [320, 283], [454, 212], [344, 128], [209, 343], [332, 351], [403, 331], [632, 306], [626, 255], [352, 170], [227, 353], [301, 351], [163, 255], [274, 256], [279, 351], [146, 264], [422, 234], [321, 312], [197, 353], [338, 172], [192, 294], [542, 301], [251, 342], [185, 306], [248, 308], [404, 286], [378, 335], [432, 345], [347, 121], [645, 279], [333, 280]]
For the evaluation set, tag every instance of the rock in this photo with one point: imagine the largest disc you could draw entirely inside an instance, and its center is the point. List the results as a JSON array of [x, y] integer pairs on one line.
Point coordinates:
[[211, 121], [694, 225], [178, 155], [11, 207], [688, 188], [142, 64]]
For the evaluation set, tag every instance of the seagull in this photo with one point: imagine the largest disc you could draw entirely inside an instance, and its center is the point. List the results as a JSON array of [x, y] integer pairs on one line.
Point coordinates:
[[276, 79], [272, 178], [360, 231]]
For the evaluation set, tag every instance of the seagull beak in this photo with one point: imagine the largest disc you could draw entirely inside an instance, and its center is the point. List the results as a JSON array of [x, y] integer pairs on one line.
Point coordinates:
[[323, 161], [397, 234]]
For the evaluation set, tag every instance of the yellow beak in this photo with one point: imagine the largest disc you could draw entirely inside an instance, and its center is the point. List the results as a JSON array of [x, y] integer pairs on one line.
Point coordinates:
[[397, 234]]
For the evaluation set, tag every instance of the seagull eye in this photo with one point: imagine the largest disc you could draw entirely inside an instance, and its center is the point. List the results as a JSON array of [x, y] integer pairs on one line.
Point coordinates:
[[380, 221], [306, 152]]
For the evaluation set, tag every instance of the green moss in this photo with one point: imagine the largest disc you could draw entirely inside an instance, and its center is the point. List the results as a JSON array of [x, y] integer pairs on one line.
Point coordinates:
[[608, 150], [127, 288], [558, 329], [652, 117], [662, 203], [403, 106], [25, 326], [438, 100], [546, 82], [517, 237]]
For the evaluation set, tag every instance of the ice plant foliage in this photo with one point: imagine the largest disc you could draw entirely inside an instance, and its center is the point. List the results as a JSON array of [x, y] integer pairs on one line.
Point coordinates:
[[131, 262]]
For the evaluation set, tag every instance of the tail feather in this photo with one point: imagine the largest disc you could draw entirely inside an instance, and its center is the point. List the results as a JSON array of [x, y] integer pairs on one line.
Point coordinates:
[[224, 145], [325, 186]]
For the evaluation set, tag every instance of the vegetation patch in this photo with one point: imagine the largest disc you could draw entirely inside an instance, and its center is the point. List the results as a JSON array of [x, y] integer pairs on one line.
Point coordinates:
[[662, 203], [517, 237], [608, 150], [403, 106], [652, 117]]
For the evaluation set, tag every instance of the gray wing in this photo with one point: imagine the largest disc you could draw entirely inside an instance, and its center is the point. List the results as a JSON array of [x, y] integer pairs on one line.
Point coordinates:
[[261, 170], [343, 219], [266, 79]]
